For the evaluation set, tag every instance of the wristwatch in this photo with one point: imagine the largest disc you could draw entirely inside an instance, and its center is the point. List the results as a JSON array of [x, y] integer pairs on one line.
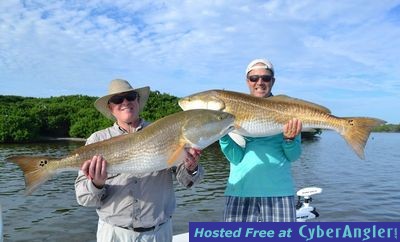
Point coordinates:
[[288, 140], [194, 172]]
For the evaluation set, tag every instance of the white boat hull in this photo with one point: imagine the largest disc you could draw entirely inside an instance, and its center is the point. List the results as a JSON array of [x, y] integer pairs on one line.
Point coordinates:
[[181, 237]]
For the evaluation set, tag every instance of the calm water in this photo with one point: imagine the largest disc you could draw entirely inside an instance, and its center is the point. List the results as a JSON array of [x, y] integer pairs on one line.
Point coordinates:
[[353, 189]]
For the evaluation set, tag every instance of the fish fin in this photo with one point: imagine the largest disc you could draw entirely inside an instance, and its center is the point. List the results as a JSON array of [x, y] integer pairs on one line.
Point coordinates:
[[36, 170], [97, 145], [177, 155], [287, 99], [239, 139], [357, 131]]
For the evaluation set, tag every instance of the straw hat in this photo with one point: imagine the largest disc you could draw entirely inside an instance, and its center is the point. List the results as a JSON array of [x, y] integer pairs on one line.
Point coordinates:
[[119, 86], [266, 64]]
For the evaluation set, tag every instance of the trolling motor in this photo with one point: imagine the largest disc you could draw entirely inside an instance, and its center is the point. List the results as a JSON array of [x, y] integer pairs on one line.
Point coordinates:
[[304, 211]]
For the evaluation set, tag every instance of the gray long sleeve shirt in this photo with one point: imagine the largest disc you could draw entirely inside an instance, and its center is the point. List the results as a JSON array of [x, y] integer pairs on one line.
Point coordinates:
[[129, 200]]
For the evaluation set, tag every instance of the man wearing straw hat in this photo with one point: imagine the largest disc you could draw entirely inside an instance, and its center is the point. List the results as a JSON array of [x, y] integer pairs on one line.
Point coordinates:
[[131, 208]]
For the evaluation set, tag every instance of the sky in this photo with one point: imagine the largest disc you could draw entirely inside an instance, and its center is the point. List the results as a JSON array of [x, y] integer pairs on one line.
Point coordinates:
[[344, 55]]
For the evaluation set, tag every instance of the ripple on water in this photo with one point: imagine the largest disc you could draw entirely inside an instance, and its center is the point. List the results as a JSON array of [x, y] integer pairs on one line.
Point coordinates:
[[353, 189]]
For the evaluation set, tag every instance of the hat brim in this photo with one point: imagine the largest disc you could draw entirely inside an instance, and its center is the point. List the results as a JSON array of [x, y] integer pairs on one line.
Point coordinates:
[[101, 104]]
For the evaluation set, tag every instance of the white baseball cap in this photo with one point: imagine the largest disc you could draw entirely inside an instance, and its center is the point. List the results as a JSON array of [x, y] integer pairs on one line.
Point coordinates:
[[266, 65]]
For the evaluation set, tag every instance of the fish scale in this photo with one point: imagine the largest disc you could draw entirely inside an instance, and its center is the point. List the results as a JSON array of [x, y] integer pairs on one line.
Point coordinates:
[[258, 117], [158, 146]]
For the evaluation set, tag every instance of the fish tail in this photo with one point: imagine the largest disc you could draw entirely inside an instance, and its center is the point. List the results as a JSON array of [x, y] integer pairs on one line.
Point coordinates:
[[357, 131], [36, 170]]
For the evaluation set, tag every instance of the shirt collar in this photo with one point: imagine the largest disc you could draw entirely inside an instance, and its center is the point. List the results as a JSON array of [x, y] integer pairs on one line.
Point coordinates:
[[139, 127]]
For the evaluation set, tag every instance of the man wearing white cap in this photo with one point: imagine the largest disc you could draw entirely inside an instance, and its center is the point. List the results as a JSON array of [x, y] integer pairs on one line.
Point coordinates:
[[131, 207], [260, 185]]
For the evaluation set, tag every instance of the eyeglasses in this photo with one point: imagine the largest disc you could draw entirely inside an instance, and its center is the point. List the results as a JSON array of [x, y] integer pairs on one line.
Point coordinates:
[[255, 78], [118, 99]]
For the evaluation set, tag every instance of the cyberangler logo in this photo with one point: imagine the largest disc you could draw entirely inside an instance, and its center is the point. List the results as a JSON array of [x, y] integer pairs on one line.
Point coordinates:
[[310, 232]]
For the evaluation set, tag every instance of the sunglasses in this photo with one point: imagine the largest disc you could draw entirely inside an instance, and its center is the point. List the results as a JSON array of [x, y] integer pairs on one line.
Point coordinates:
[[255, 78], [118, 99]]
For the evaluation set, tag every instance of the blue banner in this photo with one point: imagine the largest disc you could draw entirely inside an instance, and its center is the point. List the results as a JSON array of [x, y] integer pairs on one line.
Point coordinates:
[[313, 232]]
